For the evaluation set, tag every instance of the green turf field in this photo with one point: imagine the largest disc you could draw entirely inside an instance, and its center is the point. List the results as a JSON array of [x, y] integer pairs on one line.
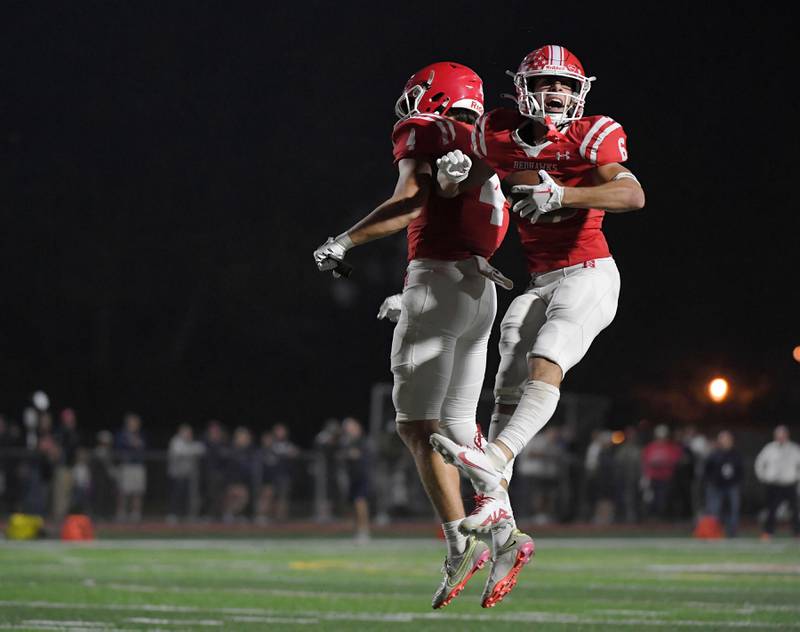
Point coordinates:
[[386, 585]]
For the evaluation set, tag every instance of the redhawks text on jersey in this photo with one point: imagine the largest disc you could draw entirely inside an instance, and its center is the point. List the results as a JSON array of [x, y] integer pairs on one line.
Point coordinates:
[[569, 155], [473, 223]]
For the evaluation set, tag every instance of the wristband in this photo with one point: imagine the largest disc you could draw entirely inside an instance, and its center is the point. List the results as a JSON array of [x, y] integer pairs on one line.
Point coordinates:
[[344, 240]]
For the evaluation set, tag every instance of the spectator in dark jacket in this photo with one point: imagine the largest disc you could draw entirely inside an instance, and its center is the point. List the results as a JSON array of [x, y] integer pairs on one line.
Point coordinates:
[[287, 452], [68, 442], [723, 473], [213, 469], [130, 446], [356, 451], [241, 471]]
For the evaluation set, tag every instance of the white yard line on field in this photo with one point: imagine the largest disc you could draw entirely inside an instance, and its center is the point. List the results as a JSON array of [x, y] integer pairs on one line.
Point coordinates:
[[292, 620], [399, 617], [402, 544], [694, 590], [63, 626], [151, 621], [727, 567]]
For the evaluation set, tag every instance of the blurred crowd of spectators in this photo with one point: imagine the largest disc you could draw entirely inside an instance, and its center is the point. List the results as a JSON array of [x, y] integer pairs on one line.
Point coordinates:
[[49, 468], [638, 475]]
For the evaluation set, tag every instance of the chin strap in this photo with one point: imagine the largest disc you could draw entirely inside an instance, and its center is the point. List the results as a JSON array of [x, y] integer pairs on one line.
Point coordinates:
[[553, 134]]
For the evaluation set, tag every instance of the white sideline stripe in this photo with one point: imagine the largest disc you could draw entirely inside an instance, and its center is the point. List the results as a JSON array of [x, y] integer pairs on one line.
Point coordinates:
[[73, 624], [278, 592], [721, 590], [312, 544], [284, 592], [275, 620], [745, 608], [727, 567], [148, 620], [406, 617], [27, 625], [62, 626]]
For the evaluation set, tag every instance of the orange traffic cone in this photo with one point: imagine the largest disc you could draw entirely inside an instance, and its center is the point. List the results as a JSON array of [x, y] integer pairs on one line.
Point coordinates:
[[77, 527], [708, 528]]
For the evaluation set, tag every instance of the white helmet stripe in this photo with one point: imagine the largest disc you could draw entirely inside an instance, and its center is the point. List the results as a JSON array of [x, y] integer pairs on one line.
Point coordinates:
[[603, 120], [558, 55]]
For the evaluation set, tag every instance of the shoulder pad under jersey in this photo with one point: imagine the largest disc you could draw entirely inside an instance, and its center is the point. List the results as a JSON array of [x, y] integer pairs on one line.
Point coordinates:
[[600, 139]]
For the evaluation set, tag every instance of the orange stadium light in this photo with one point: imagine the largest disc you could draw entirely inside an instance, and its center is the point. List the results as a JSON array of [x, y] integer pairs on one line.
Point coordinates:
[[617, 437], [796, 353], [718, 389]]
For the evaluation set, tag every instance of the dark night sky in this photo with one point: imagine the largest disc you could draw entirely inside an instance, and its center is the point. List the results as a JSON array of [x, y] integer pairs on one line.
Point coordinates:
[[168, 168]]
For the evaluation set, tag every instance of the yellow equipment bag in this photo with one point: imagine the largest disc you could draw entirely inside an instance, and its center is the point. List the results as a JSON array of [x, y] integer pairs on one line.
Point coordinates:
[[24, 527]]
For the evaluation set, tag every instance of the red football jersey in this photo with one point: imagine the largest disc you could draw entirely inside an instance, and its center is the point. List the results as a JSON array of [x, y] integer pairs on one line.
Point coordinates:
[[569, 156], [475, 222]]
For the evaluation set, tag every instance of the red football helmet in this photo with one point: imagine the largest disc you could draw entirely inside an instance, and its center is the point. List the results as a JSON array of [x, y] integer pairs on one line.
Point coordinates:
[[439, 87], [558, 62]]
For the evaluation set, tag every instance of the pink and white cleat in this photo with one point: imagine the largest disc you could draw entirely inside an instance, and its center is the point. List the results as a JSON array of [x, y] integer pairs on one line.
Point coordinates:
[[472, 462], [491, 511], [506, 565]]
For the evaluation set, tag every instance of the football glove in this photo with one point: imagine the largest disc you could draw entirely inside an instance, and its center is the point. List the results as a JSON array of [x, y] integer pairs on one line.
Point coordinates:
[[329, 254], [539, 198], [390, 308], [454, 166]]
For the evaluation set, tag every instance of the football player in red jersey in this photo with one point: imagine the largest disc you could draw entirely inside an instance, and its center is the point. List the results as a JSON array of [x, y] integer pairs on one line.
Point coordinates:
[[574, 284], [439, 349]]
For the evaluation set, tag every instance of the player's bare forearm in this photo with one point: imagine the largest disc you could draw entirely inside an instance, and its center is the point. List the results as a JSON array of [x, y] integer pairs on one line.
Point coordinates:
[[615, 190], [388, 218], [619, 196], [396, 213]]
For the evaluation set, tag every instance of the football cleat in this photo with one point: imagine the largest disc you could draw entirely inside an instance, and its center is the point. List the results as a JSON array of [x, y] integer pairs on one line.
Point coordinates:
[[491, 511], [473, 463], [506, 565], [458, 571]]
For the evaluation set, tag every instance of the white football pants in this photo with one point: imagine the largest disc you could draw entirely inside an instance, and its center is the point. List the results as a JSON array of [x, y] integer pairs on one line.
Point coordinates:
[[557, 318], [440, 345]]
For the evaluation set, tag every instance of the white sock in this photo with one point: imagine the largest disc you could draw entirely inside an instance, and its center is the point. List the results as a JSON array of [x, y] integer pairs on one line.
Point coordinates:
[[496, 456], [499, 422], [456, 543], [501, 534], [538, 403]]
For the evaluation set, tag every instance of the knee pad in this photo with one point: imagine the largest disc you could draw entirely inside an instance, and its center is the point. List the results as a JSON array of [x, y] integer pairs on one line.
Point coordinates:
[[560, 341], [463, 432]]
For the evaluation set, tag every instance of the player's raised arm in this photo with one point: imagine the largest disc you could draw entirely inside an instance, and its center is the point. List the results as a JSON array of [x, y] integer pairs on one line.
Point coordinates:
[[457, 172], [413, 186]]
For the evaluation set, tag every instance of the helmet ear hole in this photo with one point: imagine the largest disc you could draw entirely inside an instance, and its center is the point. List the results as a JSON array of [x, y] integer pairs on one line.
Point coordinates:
[[435, 88]]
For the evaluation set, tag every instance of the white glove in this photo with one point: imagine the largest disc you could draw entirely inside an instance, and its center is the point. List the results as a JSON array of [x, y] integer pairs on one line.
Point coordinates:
[[329, 254], [390, 308], [454, 166], [539, 198]]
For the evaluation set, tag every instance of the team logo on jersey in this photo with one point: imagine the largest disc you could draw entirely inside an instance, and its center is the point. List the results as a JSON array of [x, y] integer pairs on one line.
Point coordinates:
[[560, 156]]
